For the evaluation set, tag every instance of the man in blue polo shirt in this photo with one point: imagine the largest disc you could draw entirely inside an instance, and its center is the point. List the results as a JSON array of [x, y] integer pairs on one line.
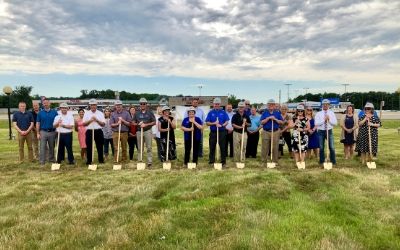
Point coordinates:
[[46, 132], [23, 123], [211, 121], [270, 120]]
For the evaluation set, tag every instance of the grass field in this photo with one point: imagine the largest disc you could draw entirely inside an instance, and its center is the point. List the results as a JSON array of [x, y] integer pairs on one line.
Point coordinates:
[[350, 207]]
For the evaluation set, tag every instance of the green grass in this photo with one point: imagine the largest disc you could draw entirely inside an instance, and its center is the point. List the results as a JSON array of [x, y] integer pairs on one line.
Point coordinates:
[[350, 207]]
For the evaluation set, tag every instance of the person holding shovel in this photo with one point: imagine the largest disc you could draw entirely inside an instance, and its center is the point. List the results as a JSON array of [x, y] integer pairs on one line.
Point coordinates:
[[192, 124], [240, 120], [300, 126], [64, 123], [144, 120], [217, 119], [166, 123], [120, 117], [271, 119], [365, 134], [325, 120], [94, 121]]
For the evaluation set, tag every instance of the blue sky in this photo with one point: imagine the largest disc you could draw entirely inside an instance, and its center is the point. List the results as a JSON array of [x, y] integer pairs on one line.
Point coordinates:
[[247, 48]]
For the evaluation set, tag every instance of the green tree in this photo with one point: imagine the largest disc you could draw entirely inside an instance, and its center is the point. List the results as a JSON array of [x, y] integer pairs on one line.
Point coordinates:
[[22, 93]]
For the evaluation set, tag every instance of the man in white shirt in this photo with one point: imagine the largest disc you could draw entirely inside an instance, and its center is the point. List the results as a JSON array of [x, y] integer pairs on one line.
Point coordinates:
[[94, 120], [200, 114], [325, 120], [229, 132], [63, 123]]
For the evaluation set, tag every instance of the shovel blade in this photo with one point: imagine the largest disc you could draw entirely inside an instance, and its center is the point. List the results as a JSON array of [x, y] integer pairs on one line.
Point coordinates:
[[191, 165], [117, 167], [371, 165], [328, 165], [55, 166], [92, 167], [240, 165], [218, 166], [271, 165], [299, 165], [141, 166], [166, 165]]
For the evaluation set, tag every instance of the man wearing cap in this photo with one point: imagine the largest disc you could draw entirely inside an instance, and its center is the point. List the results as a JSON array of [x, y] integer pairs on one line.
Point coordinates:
[[189, 124], [94, 121], [239, 121], [217, 119], [229, 132], [64, 123], [145, 120], [23, 123], [271, 119], [120, 116], [253, 134], [325, 120], [46, 132], [200, 114]]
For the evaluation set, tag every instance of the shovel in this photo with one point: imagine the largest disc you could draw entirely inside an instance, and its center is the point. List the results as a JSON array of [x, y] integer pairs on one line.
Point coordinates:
[[92, 166], [141, 165], [301, 164], [217, 166], [272, 164], [192, 165], [327, 163], [241, 163], [167, 164], [118, 166], [56, 166], [370, 164]]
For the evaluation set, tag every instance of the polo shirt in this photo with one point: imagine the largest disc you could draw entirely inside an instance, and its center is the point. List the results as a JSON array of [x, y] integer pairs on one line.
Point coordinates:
[[268, 126], [23, 120], [197, 132], [115, 117], [222, 118], [93, 125], [145, 117], [67, 120], [46, 119], [255, 123], [237, 119]]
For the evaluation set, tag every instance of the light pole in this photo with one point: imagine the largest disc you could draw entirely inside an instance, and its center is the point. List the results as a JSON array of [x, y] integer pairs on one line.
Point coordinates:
[[398, 92], [345, 90], [8, 91], [288, 86], [200, 86]]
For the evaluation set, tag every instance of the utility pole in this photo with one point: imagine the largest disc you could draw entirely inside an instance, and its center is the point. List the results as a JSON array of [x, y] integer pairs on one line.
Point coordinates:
[[345, 90], [288, 91]]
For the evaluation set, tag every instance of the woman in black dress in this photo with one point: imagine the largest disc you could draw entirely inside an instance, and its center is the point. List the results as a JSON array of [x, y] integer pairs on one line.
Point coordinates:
[[300, 125], [368, 121], [349, 125], [163, 128]]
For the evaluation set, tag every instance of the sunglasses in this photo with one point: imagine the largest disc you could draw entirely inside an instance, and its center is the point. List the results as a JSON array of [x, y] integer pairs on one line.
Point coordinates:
[[143, 104], [368, 109]]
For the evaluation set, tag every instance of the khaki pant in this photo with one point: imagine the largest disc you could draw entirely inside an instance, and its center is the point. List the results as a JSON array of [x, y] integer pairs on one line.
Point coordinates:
[[147, 139], [266, 145], [35, 145], [21, 141], [237, 143], [123, 144]]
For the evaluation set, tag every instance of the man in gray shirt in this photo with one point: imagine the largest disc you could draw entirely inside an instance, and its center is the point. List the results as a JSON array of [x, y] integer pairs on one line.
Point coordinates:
[[120, 116]]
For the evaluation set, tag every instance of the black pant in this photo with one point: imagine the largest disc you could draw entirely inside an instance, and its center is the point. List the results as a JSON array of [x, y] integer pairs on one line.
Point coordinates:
[[229, 142], [252, 144], [99, 140], [213, 144], [288, 140], [188, 147], [65, 143], [132, 142]]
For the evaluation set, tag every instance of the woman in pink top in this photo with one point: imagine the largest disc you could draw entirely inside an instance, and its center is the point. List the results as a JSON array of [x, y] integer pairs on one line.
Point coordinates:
[[81, 129]]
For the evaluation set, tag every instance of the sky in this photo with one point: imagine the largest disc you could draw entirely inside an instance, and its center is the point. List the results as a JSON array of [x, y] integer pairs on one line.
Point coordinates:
[[247, 48]]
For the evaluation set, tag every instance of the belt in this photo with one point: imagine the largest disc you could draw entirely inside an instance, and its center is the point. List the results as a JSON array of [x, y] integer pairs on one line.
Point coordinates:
[[48, 130], [271, 130]]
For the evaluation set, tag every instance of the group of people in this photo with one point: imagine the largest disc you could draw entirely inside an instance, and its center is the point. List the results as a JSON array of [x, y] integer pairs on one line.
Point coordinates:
[[237, 134]]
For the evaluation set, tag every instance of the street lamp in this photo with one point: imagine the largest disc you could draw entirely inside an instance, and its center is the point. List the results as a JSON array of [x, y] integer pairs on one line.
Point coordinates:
[[288, 86], [8, 90], [345, 90], [200, 86], [398, 92]]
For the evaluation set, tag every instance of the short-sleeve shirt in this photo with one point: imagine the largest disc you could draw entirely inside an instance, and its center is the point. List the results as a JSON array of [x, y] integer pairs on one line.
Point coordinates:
[[23, 120], [164, 125], [222, 118], [46, 119], [115, 117], [145, 117], [67, 120], [197, 132], [93, 125], [255, 123], [268, 126], [237, 120]]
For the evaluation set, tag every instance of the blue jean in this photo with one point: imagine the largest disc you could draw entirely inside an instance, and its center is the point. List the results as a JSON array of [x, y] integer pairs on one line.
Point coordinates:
[[107, 143], [322, 138]]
